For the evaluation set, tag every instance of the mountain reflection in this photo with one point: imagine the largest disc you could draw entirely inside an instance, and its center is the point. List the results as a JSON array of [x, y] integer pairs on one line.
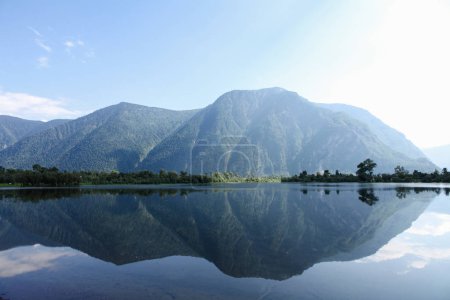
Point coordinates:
[[271, 231]]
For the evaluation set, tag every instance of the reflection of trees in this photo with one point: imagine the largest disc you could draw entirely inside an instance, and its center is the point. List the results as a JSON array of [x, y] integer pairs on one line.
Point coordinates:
[[368, 196], [58, 193], [402, 192]]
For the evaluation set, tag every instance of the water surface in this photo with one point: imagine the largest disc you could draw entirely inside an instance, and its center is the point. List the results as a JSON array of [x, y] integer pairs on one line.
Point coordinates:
[[237, 241]]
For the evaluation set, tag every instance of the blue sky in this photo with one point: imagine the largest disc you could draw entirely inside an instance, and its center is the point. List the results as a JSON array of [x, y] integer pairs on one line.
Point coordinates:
[[67, 58]]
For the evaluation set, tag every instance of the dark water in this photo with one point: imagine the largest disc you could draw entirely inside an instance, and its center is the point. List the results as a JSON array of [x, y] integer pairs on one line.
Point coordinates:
[[269, 241]]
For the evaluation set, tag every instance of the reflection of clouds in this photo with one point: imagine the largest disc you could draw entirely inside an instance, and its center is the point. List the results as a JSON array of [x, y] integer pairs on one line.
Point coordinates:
[[431, 224], [28, 259], [415, 243]]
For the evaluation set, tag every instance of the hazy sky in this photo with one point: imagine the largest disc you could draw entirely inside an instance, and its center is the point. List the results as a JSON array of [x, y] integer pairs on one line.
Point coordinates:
[[66, 58]]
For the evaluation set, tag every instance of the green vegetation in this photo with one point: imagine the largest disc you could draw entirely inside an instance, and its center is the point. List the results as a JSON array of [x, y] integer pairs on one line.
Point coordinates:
[[41, 176], [364, 173]]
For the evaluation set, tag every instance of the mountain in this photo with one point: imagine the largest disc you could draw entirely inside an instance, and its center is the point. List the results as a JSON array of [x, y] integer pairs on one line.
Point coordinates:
[[13, 129], [275, 231], [391, 137], [261, 132], [113, 138], [274, 131], [439, 155]]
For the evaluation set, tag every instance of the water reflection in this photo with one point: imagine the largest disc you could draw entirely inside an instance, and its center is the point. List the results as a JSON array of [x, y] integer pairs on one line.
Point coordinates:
[[23, 260], [426, 241], [368, 196], [275, 231]]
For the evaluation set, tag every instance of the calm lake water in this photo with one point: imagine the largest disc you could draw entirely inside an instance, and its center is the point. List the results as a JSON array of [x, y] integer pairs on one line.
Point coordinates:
[[267, 241]]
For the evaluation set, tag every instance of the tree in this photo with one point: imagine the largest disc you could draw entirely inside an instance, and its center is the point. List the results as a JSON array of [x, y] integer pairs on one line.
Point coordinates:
[[400, 171], [365, 170], [38, 168]]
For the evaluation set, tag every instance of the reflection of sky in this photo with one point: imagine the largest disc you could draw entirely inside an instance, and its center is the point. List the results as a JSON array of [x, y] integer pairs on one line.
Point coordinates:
[[427, 240], [23, 260]]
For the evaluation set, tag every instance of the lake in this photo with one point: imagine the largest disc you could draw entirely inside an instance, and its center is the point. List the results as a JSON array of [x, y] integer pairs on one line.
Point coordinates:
[[231, 241]]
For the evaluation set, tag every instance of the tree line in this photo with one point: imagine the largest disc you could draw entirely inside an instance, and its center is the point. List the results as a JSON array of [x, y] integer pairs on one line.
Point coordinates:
[[41, 176], [365, 173]]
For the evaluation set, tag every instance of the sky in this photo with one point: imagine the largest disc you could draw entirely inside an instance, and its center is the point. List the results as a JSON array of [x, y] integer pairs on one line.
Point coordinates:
[[64, 59]]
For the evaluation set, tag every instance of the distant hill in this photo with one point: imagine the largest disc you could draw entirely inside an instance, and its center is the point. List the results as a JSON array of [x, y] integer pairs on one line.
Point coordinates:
[[13, 129], [113, 138], [289, 133], [391, 137], [439, 155]]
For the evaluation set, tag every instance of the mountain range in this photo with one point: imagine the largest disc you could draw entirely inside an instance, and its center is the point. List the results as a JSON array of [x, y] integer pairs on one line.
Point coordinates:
[[250, 132]]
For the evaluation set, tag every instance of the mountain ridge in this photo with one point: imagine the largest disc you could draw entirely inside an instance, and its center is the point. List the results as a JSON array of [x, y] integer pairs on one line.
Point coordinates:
[[115, 137], [282, 124]]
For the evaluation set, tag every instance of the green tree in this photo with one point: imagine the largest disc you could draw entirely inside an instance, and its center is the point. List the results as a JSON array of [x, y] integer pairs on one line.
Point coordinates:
[[365, 170]]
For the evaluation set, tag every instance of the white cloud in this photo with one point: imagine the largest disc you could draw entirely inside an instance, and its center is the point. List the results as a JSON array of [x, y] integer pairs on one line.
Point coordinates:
[[42, 62], [69, 44], [77, 49], [33, 107]]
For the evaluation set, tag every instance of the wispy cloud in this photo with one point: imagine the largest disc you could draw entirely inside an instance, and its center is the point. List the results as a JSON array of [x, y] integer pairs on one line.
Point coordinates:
[[37, 33], [42, 62], [33, 107], [77, 49], [43, 45], [40, 40]]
